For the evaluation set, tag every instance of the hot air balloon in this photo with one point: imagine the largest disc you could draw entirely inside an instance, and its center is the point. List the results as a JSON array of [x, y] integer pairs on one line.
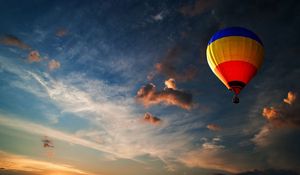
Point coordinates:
[[234, 55]]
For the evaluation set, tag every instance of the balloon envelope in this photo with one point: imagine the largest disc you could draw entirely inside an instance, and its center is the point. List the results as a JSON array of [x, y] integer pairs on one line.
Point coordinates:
[[235, 54]]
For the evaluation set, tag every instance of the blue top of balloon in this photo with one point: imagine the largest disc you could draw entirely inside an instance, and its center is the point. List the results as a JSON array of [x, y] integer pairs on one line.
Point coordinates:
[[235, 31]]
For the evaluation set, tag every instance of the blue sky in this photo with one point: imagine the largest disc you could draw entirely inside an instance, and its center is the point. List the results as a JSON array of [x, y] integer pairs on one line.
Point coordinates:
[[72, 70]]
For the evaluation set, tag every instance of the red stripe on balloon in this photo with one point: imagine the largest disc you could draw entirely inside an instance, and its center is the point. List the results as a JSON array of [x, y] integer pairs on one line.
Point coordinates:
[[235, 71]]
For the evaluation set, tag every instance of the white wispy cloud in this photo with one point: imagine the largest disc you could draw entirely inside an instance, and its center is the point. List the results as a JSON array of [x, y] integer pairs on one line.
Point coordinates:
[[159, 16], [115, 126], [120, 128], [41, 130]]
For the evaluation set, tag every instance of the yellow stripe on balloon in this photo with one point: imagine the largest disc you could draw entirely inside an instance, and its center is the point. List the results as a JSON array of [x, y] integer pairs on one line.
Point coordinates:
[[234, 48], [221, 77]]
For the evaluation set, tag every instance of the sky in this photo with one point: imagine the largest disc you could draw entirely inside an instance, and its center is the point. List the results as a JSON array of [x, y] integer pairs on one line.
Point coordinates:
[[124, 87]]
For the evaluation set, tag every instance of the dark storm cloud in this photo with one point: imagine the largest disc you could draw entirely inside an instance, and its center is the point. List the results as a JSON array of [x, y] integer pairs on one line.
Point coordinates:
[[148, 117], [199, 7], [12, 40], [148, 95], [169, 66]]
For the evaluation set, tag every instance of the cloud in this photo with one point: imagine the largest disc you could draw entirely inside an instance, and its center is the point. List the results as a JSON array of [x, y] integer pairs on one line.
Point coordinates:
[[170, 83], [213, 155], [148, 117], [112, 121], [213, 127], [158, 17], [53, 64], [199, 7], [148, 95], [270, 113], [34, 56], [284, 116], [41, 130], [112, 115], [11, 163], [61, 32], [278, 137], [168, 67], [260, 138], [209, 158], [12, 40], [279, 147], [248, 20], [291, 97]]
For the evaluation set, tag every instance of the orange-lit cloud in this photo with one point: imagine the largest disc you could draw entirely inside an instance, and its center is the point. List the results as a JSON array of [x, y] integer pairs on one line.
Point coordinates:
[[170, 83], [291, 97], [32, 166], [151, 119], [53, 64], [283, 116], [148, 95], [280, 131], [213, 127], [169, 67], [270, 113], [34, 56], [12, 40]]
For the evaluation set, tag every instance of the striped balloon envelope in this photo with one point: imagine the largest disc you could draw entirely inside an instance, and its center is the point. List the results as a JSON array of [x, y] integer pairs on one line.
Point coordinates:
[[235, 54]]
